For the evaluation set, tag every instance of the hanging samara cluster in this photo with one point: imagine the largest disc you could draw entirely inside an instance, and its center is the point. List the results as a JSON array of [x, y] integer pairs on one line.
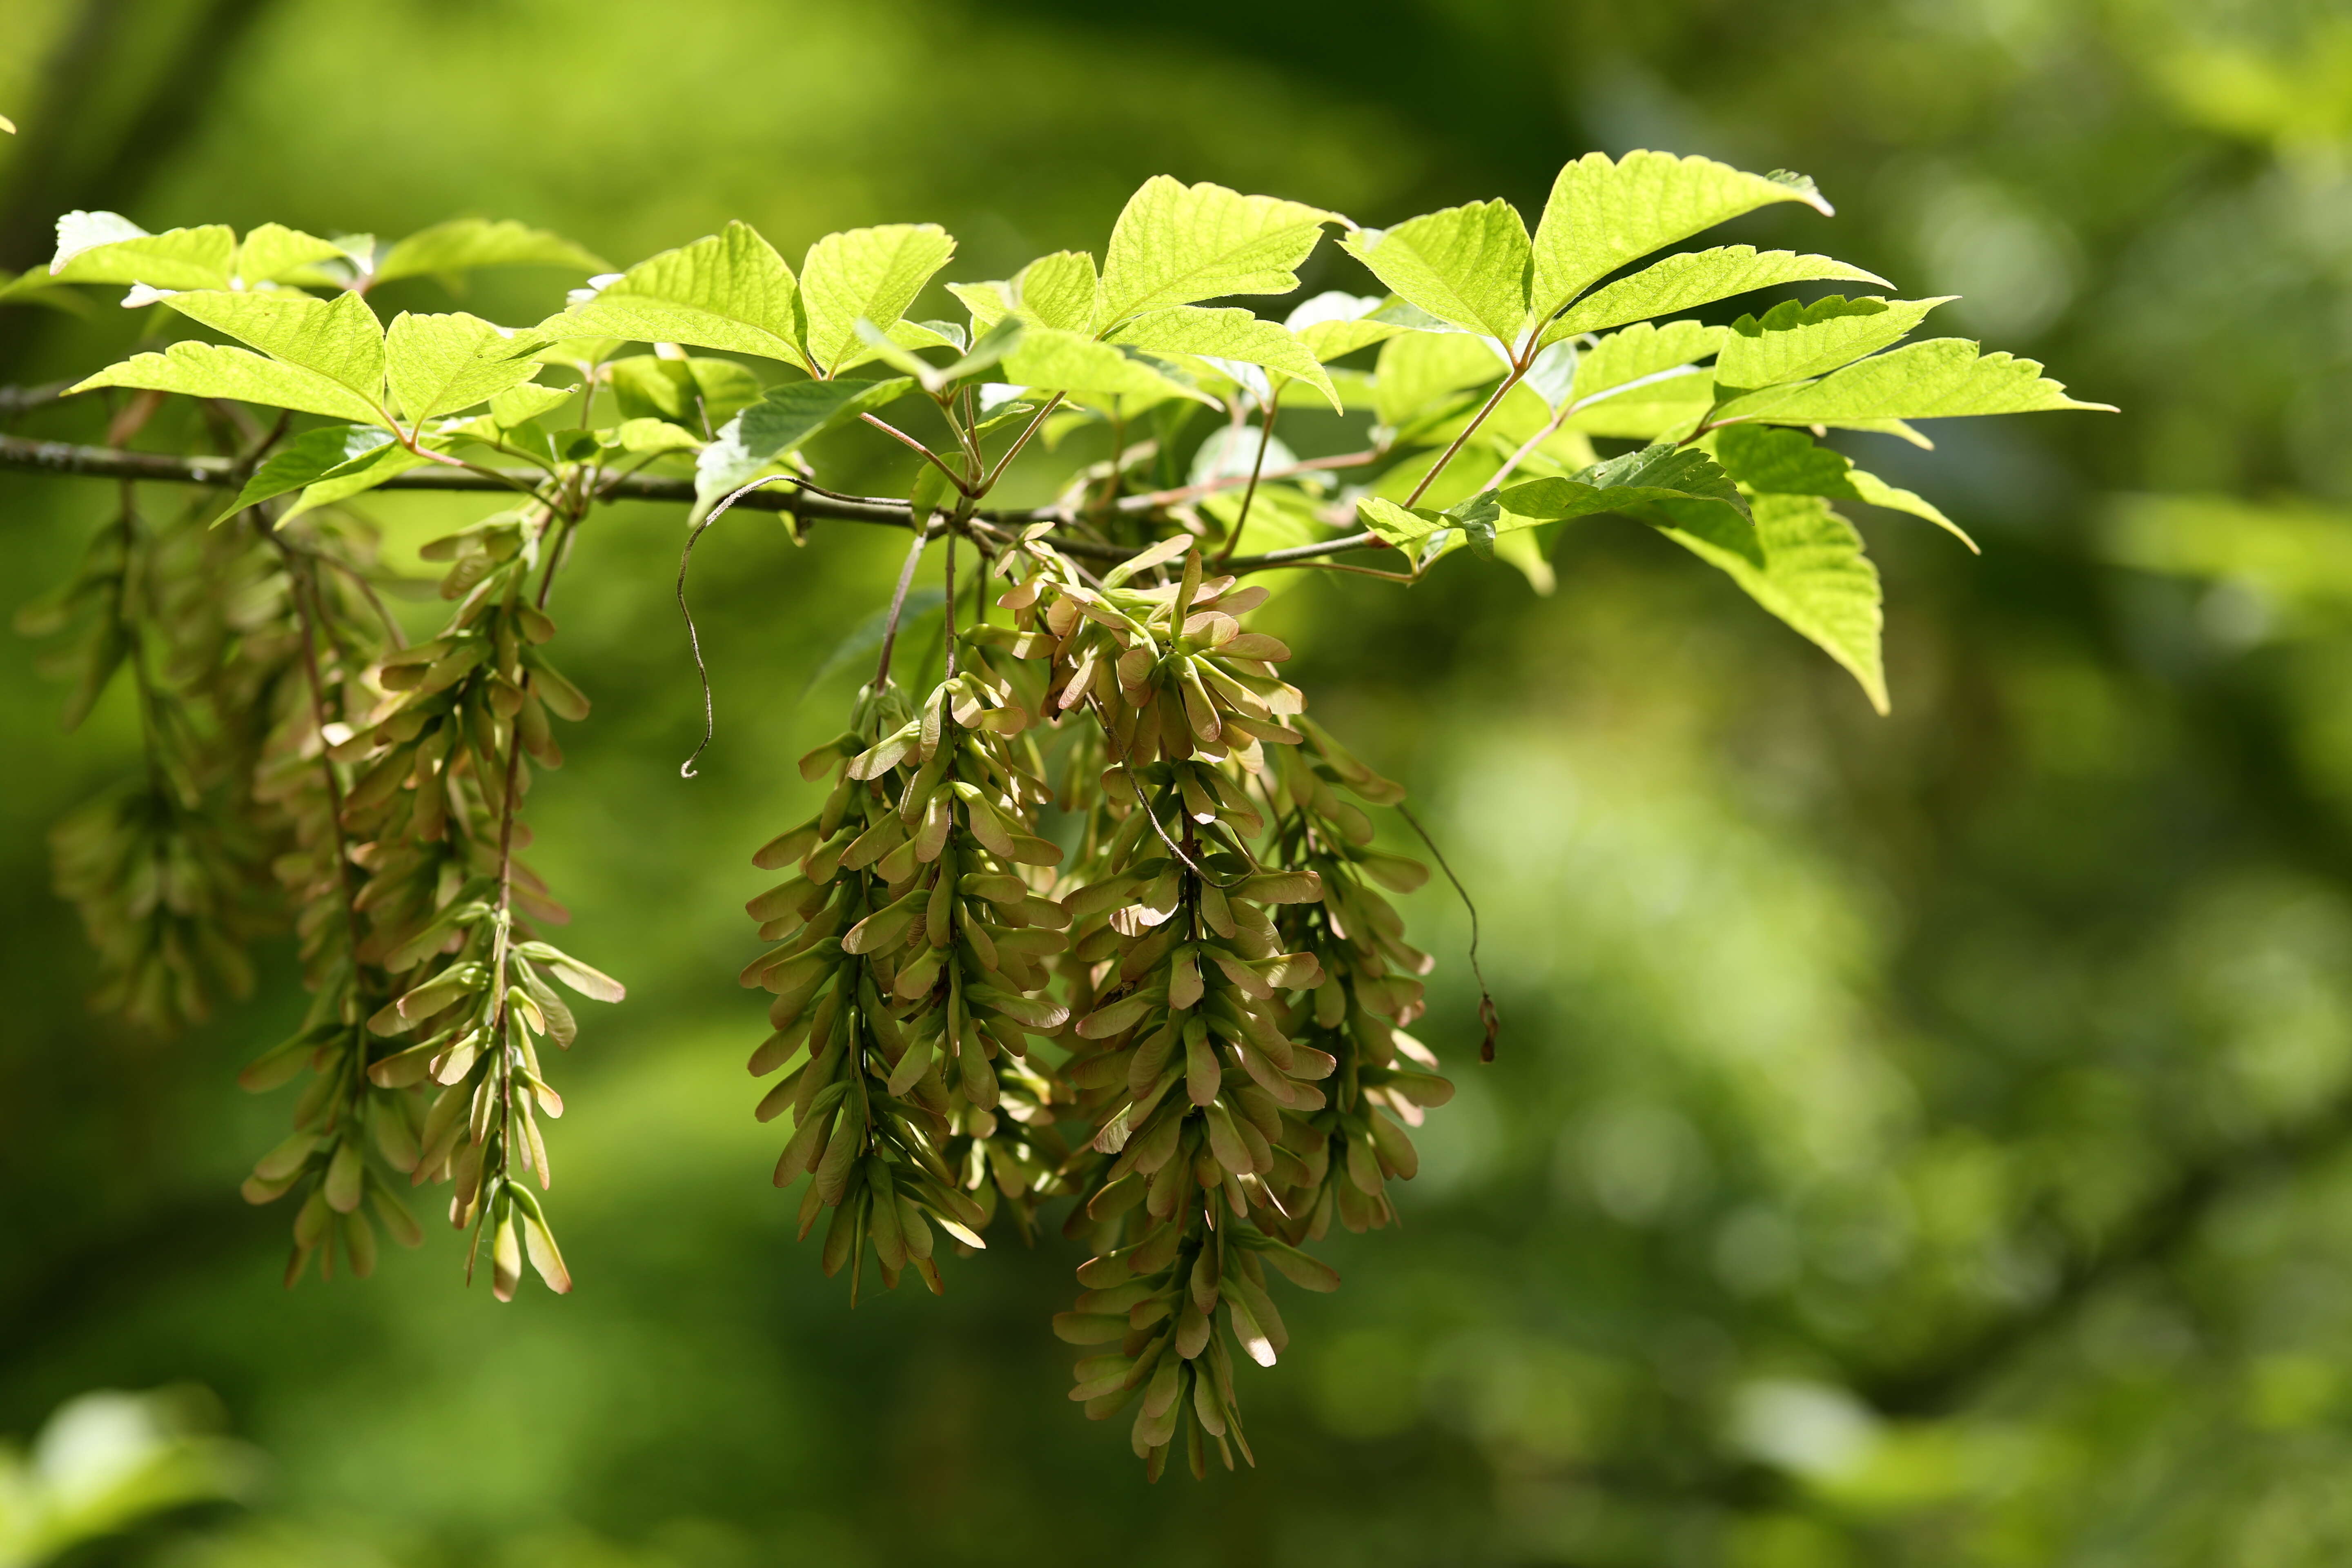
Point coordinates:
[[1220, 990]]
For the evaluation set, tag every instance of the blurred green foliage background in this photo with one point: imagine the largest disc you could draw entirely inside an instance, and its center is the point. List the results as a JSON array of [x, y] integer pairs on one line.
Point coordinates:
[[1916, 1142]]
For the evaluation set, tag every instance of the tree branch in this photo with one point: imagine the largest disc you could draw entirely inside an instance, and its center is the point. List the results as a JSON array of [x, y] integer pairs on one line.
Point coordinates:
[[65, 457]]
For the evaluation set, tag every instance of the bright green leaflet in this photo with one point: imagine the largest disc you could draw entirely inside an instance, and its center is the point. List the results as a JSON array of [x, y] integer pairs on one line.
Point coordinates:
[[463, 244], [1624, 358], [1770, 461], [728, 292], [212, 370], [1066, 362], [1227, 334], [1176, 244], [273, 251], [1941, 378], [1466, 265], [339, 339], [1058, 290], [438, 364], [1695, 277], [1602, 215], [105, 248], [866, 275], [1791, 341]]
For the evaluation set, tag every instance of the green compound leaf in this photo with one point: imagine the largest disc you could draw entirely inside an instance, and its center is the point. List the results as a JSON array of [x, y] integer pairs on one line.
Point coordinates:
[[304, 460], [362, 471], [463, 244], [1941, 378], [1425, 373], [1468, 266], [38, 288], [274, 252], [1397, 525], [339, 339], [1231, 334], [866, 274], [1334, 323], [730, 291], [214, 370], [1622, 360], [1176, 244], [107, 247], [776, 425], [1661, 472], [1057, 290], [698, 393], [1697, 278], [1772, 461], [1791, 341], [1602, 215], [1804, 563], [438, 364], [1066, 362], [519, 404]]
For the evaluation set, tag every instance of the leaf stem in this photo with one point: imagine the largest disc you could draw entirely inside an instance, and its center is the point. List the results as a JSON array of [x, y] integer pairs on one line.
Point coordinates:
[[898, 606], [1477, 420], [1264, 439], [962, 485]]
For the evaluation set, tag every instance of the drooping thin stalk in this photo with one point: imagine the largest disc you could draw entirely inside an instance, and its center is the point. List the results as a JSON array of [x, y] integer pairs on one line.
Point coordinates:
[[1488, 1015], [693, 637], [1264, 439], [304, 587], [897, 605], [948, 605]]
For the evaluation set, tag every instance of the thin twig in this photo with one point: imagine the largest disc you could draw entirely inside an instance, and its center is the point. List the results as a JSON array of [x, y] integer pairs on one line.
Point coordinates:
[[693, 637], [807, 502], [962, 485], [1487, 1014], [1264, 439], [1477, 420], [897, 605]]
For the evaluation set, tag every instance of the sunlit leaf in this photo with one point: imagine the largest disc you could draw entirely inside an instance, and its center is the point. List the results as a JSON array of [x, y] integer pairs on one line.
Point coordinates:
[[1066, 362], [107, 247], [776, 425], [438, 364], [1792, 342], [1602, 215], [1697, 278], [728, 292], [339, 339], [1232, 334], [463, 244], [866, 274], [1940, 378], [1466, 265], [1176, 244], [214, 370]]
